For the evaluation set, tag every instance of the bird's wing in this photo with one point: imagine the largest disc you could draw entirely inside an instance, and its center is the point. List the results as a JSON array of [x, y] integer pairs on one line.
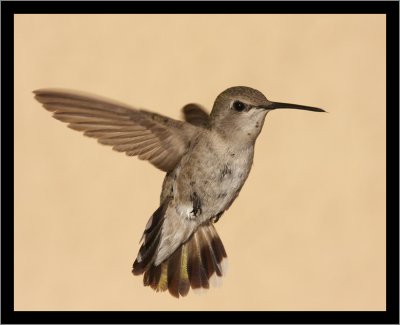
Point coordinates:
[[196, 115], [150, 136]]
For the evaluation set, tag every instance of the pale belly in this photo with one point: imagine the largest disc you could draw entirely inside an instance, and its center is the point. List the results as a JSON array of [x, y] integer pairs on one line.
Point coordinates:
[[207, 182]]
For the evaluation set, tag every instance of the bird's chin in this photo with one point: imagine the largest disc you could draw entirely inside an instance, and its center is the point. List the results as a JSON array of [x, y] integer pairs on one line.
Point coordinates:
[[262, 113]]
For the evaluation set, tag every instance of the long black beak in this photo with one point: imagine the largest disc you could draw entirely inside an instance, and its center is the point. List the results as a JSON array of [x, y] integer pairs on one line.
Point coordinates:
[[277, 105]]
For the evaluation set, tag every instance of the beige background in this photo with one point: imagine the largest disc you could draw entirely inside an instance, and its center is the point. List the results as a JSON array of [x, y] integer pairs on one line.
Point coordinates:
[[308, 229]]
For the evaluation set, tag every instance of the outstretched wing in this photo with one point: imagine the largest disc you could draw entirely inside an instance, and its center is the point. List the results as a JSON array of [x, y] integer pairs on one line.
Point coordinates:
[[196, 115], [150, 136]]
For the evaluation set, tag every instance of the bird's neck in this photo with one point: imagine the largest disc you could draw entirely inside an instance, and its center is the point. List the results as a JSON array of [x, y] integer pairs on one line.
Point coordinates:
[[243, 131], [232, 138]]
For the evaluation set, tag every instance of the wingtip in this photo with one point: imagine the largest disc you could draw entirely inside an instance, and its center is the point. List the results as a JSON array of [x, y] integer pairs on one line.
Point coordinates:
[[36, 93], [190, 107], [41, 91]]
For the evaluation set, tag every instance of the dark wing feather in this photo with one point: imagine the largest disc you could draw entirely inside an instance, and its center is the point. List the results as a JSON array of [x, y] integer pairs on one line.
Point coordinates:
[[150, 136], [196, 115]]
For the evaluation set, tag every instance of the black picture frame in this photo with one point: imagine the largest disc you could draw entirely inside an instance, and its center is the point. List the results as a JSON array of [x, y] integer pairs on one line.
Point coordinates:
[[389, 8]]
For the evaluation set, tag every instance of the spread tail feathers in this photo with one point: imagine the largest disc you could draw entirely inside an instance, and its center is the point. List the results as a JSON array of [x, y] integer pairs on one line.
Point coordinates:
[[197, 263]]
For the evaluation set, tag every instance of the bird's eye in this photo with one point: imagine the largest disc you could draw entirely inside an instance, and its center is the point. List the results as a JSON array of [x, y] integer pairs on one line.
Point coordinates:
[[238, 106]]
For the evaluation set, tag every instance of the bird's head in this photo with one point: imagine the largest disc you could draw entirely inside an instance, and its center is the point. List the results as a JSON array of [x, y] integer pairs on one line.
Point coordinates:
[[241, 111]]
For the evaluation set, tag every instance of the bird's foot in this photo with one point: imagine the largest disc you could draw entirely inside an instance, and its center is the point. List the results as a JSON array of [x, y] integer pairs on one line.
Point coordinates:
[[215, 218]]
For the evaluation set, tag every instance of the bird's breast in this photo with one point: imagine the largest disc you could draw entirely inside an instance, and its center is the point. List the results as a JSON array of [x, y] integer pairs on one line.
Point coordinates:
[[232, 175], [208, 180]]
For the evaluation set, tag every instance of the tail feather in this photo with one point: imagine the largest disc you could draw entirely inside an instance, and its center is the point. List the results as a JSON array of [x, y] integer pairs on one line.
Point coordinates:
[[194, 264], [207, 254], [162, 284], [174, 272], [184, 284], [197, 273], [151, 240], [217, 246]]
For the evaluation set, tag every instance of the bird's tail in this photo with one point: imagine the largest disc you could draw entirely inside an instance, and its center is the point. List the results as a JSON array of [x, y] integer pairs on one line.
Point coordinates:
[[197, 263]]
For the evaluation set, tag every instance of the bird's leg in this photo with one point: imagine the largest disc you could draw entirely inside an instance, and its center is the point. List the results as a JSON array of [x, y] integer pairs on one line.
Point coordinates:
[[215, 218], [196, 204]]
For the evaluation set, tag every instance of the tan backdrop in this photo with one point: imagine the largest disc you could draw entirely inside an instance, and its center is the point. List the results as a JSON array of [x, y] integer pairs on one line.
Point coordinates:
[[308, 229]]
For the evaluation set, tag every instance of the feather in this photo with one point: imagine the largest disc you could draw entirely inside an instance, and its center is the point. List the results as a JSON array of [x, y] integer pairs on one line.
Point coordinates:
[[153, 137], [196, 115], [195, 263], [174, 272]]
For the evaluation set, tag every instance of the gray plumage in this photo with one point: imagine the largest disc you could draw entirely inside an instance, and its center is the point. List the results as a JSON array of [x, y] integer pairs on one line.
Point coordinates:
[[207, 160]]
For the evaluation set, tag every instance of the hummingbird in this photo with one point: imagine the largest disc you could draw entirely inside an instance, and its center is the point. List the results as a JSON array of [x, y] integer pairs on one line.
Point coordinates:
[[207, 159]]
